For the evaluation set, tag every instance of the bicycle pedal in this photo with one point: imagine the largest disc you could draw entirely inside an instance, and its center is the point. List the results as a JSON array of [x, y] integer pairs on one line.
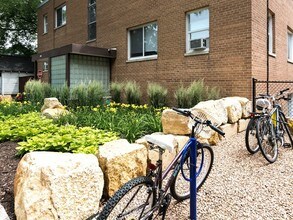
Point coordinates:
[[165, 204]]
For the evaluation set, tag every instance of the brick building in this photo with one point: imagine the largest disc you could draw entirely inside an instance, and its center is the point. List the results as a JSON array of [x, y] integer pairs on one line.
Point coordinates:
[[168, 41]]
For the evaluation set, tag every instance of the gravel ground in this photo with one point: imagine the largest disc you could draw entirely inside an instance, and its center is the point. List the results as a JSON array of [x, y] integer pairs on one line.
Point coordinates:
[[243, 186]]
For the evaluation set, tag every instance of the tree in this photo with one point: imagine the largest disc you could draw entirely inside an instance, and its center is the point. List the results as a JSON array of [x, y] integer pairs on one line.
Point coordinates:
[[18, 26]]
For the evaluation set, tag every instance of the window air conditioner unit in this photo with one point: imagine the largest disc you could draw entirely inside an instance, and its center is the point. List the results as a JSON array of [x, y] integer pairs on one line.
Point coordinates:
[[198, 44]]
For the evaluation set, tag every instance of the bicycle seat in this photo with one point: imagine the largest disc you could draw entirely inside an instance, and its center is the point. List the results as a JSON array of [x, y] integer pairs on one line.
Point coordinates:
[[163, 141]]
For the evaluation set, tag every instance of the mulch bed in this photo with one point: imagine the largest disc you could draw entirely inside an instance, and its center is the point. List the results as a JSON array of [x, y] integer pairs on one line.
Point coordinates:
[[8, 165]]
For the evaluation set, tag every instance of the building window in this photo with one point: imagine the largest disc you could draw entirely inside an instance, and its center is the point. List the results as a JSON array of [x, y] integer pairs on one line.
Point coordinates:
[[91, 19], [45, 66], [198, 34], [290, 46], [45, 24], [142, 41], [271, 32], [60, 16]]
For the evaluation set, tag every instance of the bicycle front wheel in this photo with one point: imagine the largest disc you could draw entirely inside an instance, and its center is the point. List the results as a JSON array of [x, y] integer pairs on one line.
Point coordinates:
[[180, 188], [132, 201], [267, 139], [250, 137]]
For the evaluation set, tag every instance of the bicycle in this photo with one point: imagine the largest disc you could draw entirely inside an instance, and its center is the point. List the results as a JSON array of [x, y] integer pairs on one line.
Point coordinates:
[[263, 105], [272, 129], [145, 197]]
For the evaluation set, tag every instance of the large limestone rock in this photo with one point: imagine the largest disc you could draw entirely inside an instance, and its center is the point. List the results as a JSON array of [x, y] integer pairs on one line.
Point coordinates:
[[234, 109], [51, 185], [246, 106], [3, 214], [174, 123], [214, 110], [52, 108], [120, 162]]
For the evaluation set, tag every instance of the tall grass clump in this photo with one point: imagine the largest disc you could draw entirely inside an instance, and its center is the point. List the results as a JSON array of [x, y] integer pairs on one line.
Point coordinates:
[[197, 92], [157, 95], [182, 97], [62, 93], [132, 93], [95, 93], [36, 91], [116, 91], [79, 95]]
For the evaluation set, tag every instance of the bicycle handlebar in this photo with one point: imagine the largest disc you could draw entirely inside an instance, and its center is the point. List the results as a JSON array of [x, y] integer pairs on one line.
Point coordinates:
[[188, 113]]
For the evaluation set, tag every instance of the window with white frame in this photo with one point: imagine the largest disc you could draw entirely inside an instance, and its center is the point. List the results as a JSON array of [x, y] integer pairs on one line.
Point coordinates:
[[198, 30], [91, 19], [45, 24], [45, 66], [290, 45], [143, 41], [60, 16], [271, 34]]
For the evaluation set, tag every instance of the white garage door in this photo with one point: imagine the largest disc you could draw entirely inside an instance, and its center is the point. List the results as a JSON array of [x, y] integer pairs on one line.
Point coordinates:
[[10, 83]]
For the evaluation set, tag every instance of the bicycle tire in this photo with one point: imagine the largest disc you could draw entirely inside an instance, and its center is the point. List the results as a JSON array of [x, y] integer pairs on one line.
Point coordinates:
[[267, 139], [250, 136], [114, 208], [286, 132], [180, 188]]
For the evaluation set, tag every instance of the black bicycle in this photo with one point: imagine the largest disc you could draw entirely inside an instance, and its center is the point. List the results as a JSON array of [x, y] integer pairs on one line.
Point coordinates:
[[272, 130], [145, 197]]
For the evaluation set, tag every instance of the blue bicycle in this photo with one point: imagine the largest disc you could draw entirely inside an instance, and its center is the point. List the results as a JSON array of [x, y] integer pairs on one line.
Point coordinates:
[[145, 197]]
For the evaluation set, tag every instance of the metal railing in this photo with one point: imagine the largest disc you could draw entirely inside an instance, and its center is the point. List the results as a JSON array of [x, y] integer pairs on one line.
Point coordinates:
[[271, 88]]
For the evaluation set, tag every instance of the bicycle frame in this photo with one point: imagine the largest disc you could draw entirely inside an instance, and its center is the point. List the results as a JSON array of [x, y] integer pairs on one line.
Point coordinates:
[[175, 164]]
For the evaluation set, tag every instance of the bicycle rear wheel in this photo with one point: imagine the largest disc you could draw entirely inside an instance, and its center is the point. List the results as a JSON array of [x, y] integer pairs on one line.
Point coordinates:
[[267, 139], [180, 188], [132, 201], [250, 136]]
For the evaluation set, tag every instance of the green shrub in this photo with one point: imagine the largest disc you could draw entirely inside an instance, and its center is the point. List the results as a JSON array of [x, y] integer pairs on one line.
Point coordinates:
[[95, 93], [182, 97], [157, 95], [62, 93], [132, 93], [79, 95], [17, 108], [116, 91], [36, 91], [196, 91]]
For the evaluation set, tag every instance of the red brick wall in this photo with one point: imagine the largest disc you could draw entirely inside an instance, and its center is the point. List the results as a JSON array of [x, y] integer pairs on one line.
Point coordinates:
[[279, 68], [237, 40]]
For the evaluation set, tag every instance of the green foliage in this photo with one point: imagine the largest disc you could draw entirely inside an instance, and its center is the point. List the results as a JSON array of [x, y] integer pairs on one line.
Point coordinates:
[[40, 133], [116, 91], [157, 95], [196, 92], [61, 93], [182, 97], [95, 93], [130, 121], [79, 95], [17, 108], [18, 26], [36, 91], [132, 93]]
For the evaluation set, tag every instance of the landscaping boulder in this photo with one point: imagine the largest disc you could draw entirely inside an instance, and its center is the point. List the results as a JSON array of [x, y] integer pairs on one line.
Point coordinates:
[[52, 185], [52, 108], [234, 109], [214, 110], [5, 98], [120, 162], [246, 106], [174, 123]]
